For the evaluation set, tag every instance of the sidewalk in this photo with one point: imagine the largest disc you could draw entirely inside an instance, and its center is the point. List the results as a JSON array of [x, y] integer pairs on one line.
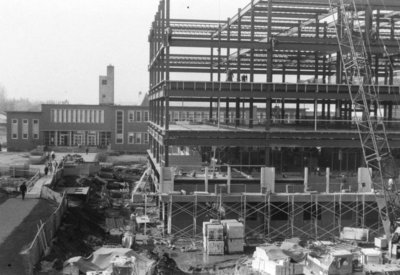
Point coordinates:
[[34, 191], [18, 226], [12, 213]]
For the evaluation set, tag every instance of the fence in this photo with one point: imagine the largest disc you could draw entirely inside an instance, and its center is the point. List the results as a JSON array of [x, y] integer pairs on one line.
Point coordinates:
[[18, 171], [46, 232], [31, 181]]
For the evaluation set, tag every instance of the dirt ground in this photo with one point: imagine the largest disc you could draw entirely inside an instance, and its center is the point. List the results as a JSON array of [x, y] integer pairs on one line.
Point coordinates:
[[12, 158], [126, 159]]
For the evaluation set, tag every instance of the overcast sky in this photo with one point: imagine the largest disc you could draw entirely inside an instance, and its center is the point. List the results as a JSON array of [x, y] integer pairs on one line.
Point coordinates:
[[56, 49]]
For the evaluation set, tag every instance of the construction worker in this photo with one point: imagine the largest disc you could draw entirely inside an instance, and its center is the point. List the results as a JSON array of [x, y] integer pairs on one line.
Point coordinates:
[[229, 75], [23, 189]]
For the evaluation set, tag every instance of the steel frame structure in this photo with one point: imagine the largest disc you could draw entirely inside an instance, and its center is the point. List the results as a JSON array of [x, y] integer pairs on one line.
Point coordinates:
[[271, 41], [266, 40]]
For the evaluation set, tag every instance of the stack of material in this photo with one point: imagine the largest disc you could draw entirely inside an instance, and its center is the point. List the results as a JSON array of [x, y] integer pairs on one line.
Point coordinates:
[[353, 233], [213, 234], [234, 237]]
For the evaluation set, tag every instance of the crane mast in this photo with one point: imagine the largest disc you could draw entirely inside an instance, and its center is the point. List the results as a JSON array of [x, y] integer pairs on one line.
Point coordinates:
[[353, 40]]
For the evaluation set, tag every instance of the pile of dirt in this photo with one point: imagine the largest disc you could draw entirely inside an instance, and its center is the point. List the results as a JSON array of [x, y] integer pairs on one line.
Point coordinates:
[[79, 235]]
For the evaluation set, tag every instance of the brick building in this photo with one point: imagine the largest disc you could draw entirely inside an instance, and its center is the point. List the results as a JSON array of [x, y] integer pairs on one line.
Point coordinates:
[[117, 127]]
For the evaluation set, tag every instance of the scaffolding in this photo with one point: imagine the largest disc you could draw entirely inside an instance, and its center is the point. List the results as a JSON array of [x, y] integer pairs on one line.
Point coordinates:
[[275, 217]]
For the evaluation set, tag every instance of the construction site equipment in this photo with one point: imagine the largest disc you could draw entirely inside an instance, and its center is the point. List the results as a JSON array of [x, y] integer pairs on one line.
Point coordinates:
[[270, 259], [332, 262], [353, 39]]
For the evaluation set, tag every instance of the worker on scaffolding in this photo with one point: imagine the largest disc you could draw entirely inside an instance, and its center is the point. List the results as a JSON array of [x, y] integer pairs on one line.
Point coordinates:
[[373, 34], [229, 75]]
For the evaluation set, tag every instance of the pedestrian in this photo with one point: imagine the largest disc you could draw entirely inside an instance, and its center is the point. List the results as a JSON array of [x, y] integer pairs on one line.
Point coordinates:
[[53, 155], [22, 188], [46, 170], [87, 150], [50, 167]]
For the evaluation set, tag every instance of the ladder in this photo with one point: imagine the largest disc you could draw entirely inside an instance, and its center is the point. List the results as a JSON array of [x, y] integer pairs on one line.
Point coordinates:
[[353, 41]]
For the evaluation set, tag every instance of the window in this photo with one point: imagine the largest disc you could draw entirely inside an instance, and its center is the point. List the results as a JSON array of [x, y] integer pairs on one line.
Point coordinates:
[[53, 115], [35, 128], [131, 138], [119, 130], [101, 116], [138, 138], [131, 116], [87, 116], [145, 138], [60, 113], [146, 116], [14, 129], [83, 116], [104, 82], [138, 116], [25, 128]]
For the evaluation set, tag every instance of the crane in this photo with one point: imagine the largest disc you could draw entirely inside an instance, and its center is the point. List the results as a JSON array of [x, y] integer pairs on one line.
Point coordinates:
[[353, 42]]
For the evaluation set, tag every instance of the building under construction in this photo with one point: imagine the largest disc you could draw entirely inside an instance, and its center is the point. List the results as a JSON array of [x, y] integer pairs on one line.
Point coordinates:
[[277, 144]]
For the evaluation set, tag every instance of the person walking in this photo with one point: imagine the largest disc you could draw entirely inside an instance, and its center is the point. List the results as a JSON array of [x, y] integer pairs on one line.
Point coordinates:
[[87, 150], [23, 188], [46, 170]]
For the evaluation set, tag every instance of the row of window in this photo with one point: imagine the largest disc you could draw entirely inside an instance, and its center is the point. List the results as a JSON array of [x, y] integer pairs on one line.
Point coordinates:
[[25, 129], [91, 116], [138, 116], [200, 116], [77, 116], [138, 138]]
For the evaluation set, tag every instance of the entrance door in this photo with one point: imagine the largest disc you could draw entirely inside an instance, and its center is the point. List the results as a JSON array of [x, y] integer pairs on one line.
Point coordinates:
[[91, 140], [78, 139], [64, 140]]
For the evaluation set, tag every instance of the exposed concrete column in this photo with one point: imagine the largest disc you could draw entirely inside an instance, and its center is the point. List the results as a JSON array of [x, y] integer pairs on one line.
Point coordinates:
[[327, 179], [169, 225], [229, 176], [206, 179], [305, 179], [70, 138]]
